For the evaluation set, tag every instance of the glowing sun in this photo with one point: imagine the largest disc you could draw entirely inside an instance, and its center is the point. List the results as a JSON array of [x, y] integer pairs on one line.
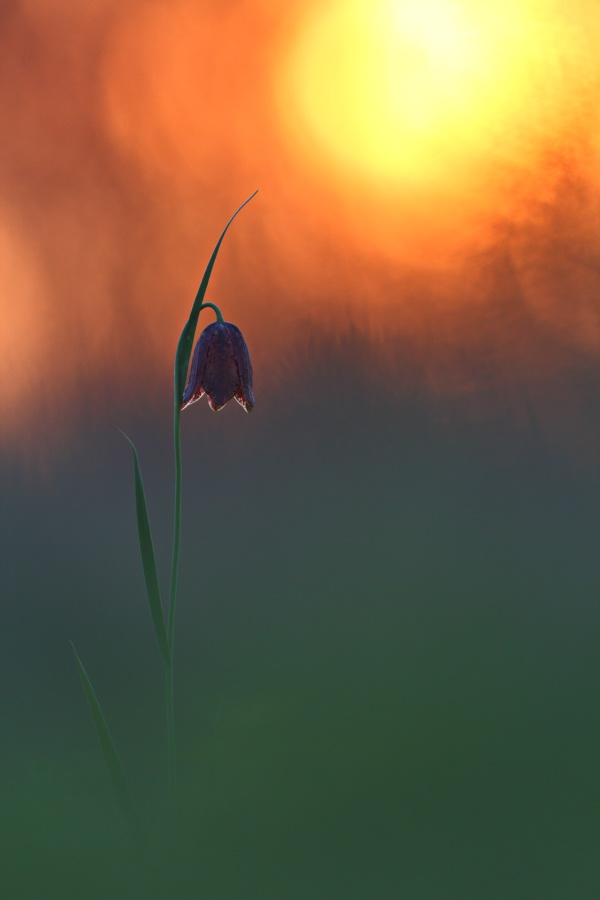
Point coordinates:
[[399, 90]]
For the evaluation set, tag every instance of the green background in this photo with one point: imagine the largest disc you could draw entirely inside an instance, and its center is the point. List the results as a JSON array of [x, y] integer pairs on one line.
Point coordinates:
[[387, 666]]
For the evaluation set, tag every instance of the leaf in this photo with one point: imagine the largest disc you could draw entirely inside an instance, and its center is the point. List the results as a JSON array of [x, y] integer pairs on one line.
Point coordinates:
[[109, 751], [148, 557], [186, 340]]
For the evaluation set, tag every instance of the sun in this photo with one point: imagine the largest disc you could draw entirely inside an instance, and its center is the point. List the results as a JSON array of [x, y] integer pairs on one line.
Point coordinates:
[[398, 91]]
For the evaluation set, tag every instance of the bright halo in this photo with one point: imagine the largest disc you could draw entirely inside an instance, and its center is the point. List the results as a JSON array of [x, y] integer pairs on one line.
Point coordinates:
[[398, 90]]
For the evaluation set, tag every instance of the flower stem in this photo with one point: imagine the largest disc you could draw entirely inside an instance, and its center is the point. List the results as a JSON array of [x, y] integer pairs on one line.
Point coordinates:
[[215, 308], [175, 562], [170, 726], [172, 600], [176, 526]]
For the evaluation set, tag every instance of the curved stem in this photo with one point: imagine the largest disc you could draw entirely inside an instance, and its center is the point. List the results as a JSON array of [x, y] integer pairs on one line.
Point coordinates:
[[215, 308]]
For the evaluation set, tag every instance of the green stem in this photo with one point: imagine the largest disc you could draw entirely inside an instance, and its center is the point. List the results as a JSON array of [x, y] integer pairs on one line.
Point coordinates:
[[215, 308], [175, 557], [176, 526], [172, 599], [170, 725]]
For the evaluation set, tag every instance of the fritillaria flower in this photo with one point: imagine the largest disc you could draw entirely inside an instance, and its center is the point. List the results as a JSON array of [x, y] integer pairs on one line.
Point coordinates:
[[221, 368]]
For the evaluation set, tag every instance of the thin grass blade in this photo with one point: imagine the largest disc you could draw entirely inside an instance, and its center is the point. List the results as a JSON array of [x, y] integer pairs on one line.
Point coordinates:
[[184, 347], [109, 751], [148, 557]]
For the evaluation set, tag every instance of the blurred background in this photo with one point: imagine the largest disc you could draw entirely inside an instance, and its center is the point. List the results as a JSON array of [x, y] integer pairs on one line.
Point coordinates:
[[387, 667]]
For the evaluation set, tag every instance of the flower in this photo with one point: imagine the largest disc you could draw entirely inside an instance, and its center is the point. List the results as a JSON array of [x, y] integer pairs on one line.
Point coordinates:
[[221, 368]]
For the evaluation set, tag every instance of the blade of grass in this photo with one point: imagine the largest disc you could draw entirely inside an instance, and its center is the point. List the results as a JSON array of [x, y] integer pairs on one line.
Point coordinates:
[[148, 558], [109, 751]]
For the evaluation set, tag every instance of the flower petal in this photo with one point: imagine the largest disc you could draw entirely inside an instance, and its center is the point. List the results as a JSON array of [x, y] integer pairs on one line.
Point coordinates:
[[194, 388], [221, 377], [246, 402], [245, 394]]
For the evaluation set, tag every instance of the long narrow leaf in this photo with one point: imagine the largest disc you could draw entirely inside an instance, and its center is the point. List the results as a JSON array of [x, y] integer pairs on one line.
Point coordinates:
[[148, 557], [109, 751], [184, 347]]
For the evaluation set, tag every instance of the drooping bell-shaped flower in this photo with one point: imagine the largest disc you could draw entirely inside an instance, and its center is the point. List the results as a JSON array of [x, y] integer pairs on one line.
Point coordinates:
[[221, 368]]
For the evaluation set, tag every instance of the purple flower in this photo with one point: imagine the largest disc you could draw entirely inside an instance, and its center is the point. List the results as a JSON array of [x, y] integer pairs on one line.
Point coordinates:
[[221, 368]]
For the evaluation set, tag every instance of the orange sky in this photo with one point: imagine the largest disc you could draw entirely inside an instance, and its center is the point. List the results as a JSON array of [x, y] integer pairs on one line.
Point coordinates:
[[425, 169]]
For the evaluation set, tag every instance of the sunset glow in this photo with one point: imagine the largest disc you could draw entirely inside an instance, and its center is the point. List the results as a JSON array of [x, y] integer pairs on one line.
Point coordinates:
[[418, 162]]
